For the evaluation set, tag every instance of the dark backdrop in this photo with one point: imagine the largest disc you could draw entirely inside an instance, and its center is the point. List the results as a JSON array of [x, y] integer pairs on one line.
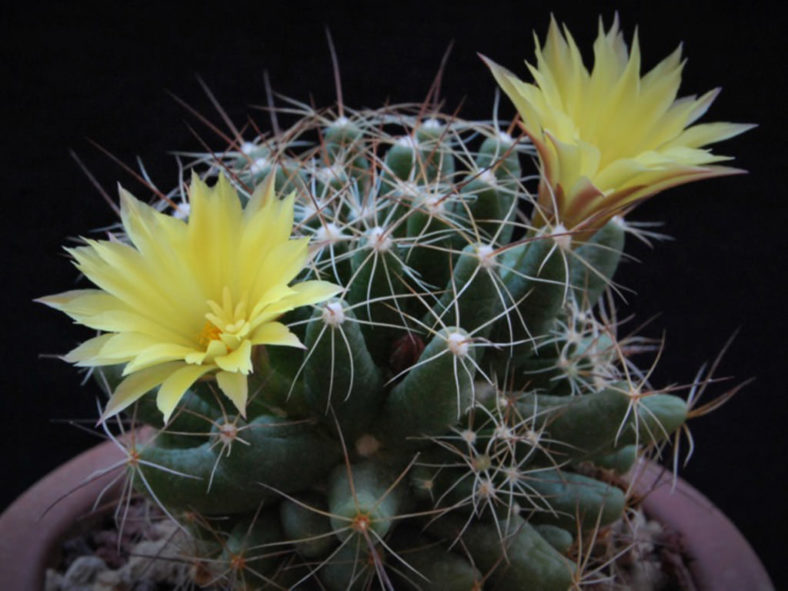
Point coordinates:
[[83, 70]]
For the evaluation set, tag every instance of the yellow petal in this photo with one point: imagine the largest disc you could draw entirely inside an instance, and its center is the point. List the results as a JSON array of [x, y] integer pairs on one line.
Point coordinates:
[[69, 301], [275, 333], [301, 294], [152, 232], [236, 387], [214, 349], [214, 232], [239, 360], [135, 386], [161, 240], [516, 90], [87, 354], [279, 267], [312, 292], [101, 311], [118, 270], [159, 353], [574, 160], [174, 387], [262, 195], [126, 345], [675, 178], [708, 133]]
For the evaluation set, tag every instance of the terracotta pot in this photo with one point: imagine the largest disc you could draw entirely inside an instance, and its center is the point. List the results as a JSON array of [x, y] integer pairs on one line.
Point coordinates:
[[32, 526], [720, 558]]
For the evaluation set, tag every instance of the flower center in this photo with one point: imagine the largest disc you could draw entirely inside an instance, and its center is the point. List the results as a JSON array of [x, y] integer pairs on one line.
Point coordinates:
[[226, 322], [209, 332]]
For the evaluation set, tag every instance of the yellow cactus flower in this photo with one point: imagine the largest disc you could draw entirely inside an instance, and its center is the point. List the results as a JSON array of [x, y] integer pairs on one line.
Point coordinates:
[[190, 298], [609, 138]]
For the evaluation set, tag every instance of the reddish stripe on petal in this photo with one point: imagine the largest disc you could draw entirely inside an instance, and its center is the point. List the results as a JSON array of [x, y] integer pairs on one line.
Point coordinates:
[[584, 200]]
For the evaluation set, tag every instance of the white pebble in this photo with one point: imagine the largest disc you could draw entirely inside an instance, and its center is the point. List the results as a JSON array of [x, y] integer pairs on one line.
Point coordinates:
[[84, 570]]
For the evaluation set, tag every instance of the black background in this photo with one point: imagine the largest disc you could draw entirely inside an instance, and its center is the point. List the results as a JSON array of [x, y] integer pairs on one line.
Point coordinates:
[[92, 70]]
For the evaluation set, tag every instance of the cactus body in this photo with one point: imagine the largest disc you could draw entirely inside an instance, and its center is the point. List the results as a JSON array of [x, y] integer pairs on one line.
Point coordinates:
[[432, 431]]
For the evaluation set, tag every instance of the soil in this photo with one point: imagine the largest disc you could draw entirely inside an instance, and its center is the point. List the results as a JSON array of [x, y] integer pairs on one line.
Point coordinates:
[[142, 554], [145, 554]]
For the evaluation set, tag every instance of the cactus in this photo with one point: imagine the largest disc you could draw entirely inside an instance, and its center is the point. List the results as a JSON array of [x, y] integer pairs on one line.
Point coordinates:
[[433, 396], [461, 404]]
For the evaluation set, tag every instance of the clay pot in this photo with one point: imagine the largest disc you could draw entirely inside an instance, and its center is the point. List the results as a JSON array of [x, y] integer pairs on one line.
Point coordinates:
[[33, 525], [720, 559], [30, 529]]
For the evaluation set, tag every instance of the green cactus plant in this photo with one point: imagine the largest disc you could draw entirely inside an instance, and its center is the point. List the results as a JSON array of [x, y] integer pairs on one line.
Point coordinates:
[[433, 395], [461, 402]]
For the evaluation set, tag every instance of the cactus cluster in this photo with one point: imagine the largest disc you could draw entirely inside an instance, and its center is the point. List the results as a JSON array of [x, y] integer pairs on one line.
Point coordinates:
[[455, 407], [459, 409]]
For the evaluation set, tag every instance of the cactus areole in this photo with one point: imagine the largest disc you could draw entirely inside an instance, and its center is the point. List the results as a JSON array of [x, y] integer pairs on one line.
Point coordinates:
[[378, 355]]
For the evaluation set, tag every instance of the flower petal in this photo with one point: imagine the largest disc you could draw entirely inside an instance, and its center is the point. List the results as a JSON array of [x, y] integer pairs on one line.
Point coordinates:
[[159, 353], [236, 387], [239, 360], [176, 384], [214, 233], [87, 353], [301, 294], [275, 333], [135, 386]]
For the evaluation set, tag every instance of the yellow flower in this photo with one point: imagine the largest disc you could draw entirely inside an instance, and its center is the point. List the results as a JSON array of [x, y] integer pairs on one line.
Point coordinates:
[[187, 299], [610, 138]]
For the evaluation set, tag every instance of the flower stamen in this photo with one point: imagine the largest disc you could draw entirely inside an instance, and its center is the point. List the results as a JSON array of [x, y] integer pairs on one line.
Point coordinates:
[[210, 332]]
